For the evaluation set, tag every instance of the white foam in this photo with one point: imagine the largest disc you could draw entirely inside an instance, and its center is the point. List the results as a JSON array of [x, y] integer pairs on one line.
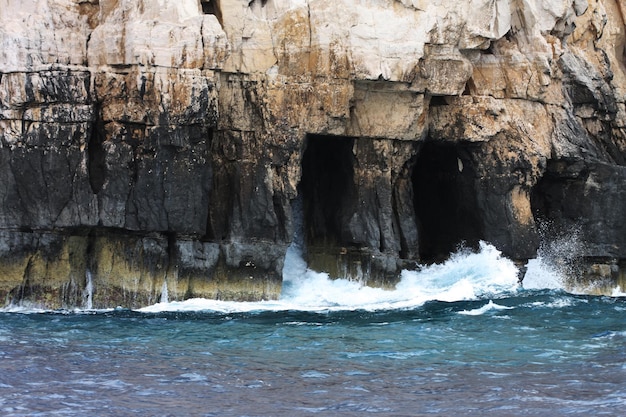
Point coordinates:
[[551, 274], [465, 276], [88, 293], [164, 292], [542, 275], [618, 292], [24, 308], [490, 306], [559, 303], [555, 264]]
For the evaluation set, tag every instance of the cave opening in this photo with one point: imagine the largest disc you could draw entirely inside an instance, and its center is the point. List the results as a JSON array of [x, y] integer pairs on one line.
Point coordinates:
[[212, 7], [328, 189], [445, 200], [554, 200], [251, 3], [544, 198]]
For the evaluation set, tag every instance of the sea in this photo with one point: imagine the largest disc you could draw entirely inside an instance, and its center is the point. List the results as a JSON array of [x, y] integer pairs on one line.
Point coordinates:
[[458, 338]]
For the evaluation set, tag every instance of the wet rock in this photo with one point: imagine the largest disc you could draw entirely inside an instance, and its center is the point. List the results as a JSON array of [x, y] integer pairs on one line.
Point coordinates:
[[162, 145]]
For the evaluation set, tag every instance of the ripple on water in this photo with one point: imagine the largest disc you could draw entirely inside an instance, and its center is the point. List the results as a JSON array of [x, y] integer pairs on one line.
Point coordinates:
[[555, 354]]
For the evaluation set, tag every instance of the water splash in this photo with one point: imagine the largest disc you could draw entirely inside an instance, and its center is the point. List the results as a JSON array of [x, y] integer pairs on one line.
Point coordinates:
[[490, 306], [466, 275], [556, 265], [164, 292], [618, 292], [88, 292]]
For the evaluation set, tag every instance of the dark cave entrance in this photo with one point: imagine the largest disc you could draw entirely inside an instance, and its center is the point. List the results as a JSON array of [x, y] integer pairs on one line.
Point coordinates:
[[445, 200], [327, 189], [545, 198], [556, 198], [212, 7]]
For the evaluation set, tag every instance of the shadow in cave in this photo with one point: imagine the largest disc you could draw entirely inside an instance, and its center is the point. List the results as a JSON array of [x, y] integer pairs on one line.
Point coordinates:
[[212, 7], [557, 200], [548, 196], [328, 190], [445, 200]]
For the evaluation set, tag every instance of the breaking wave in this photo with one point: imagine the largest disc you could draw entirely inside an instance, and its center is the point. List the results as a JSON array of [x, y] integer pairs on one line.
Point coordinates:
[[466, 275]]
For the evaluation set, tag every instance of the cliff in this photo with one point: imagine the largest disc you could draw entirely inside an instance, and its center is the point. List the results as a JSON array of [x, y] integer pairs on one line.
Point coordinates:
[[153, 144]]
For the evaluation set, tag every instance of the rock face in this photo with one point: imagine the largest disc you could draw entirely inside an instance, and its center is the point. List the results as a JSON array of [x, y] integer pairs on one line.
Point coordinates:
[[161, 144]]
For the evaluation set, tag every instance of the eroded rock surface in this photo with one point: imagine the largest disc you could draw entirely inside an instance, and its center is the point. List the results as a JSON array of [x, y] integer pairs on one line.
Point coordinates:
[[151, 142]]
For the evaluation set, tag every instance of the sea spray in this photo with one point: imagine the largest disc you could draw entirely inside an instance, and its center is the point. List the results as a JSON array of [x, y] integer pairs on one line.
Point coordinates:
[[467, 275], [88, 292], [490, 306], [164, 292], [556, 265]]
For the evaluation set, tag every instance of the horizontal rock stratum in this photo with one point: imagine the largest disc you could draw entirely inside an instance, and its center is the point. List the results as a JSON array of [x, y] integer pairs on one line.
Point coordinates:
[[151, 142]]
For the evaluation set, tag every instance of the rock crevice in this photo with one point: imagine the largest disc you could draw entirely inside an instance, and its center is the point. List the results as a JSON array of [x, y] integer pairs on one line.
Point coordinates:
[[151, 142]]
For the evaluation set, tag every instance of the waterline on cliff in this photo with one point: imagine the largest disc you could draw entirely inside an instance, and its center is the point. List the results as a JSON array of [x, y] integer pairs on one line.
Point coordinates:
[[466, 275], [558, 266]]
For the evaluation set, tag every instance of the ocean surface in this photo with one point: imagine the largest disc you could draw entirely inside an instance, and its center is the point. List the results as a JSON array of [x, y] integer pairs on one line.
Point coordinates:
[[460, 338]]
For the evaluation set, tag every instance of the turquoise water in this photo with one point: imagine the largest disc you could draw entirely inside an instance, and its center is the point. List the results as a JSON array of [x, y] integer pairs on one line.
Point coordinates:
[[462, 338]]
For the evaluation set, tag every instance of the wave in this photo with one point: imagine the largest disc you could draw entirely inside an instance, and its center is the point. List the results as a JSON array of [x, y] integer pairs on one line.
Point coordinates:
[[542, 274], [490, 306], [466, 275]]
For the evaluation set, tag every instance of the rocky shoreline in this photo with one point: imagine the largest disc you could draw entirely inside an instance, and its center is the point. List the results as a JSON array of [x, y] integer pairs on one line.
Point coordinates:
[[151, 142]]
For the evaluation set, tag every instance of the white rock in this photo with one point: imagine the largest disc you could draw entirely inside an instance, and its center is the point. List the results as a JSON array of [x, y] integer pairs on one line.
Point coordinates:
[[38, 33]]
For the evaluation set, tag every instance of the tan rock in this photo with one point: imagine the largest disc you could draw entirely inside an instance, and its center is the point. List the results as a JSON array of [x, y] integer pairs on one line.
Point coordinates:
[[182, 127]]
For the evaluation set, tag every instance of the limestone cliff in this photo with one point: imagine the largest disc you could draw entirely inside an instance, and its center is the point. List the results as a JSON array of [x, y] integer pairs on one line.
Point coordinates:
[[144, 142]]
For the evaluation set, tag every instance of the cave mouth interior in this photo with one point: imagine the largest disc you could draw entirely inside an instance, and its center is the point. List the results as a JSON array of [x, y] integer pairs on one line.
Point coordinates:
[[549, 200], [544, 197], [212, 7], [445, 200], [327, 189]]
